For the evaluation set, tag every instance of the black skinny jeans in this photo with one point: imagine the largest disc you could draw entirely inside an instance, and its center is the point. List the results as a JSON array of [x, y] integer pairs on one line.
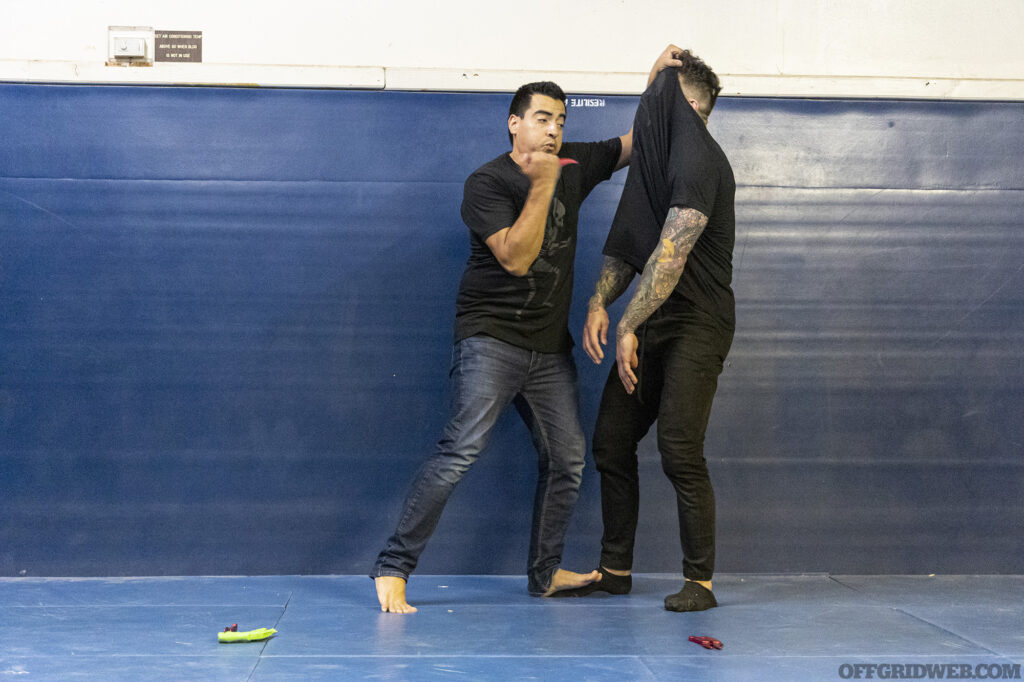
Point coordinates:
[[681, 354]]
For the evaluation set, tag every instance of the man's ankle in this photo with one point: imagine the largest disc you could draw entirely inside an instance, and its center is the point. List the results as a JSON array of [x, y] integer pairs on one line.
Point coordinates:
[[706, 584], [614, 583], [615, 571]]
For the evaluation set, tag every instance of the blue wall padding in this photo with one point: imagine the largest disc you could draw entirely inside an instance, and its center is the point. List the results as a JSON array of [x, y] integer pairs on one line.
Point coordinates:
[[225, 328]]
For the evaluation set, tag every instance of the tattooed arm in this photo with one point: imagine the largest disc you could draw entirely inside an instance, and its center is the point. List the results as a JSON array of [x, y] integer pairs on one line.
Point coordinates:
[[614, 279], [682, 228]]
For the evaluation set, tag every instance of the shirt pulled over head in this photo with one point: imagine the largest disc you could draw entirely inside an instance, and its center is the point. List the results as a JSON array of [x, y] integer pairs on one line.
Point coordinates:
[[676, 162]]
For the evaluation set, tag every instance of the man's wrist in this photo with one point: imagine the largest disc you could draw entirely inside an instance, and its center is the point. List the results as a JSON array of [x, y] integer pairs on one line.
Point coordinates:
[[544, 185], [624, 329], [596, 303]]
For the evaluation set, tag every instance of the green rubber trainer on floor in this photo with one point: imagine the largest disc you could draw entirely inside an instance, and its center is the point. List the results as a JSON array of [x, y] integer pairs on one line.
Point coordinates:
[[250, 636]]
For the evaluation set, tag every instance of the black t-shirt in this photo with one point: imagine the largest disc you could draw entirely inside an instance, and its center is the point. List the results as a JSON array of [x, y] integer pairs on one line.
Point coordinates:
[[676, 162], [532, 311]]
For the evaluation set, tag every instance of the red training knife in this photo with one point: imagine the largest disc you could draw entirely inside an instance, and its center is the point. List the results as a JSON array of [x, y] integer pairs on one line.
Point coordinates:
[[706, 642]]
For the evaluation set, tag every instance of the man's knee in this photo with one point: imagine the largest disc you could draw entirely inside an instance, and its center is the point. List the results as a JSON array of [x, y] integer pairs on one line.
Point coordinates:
[[574, 457], [614, 455], [448, 466], [683, 459]]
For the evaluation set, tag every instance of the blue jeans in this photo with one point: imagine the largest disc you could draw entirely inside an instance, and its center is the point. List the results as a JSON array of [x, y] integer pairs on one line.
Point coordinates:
[[487, 375]]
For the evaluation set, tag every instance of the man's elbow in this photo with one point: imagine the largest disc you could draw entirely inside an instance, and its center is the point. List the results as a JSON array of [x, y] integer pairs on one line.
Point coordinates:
[[516, 270], [510, 254], [517, 267]]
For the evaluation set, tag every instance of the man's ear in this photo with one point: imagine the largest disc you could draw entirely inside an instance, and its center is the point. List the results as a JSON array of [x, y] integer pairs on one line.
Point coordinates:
[[513, 124], [692, 100]]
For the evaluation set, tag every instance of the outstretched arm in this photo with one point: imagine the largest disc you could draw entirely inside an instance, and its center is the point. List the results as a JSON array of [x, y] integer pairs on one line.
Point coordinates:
[[682, 228], [668, 57], [614, 279]]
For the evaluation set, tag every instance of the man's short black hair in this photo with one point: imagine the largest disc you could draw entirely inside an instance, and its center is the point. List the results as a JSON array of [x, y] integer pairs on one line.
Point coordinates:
[[521, 100], [699, 76]]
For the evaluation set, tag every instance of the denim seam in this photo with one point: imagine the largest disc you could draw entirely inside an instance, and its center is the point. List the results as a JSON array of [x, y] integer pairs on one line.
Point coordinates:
[[542, 430]]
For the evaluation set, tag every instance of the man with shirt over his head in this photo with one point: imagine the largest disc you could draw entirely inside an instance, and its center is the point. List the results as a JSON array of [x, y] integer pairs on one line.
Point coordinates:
[[675, 225], [512, 344]]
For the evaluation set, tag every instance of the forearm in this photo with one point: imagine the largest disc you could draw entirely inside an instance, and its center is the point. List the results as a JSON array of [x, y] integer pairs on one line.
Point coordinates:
[[656, 284], [522, 241], [655, 70], [611, 283], [682, 228], [669, 57]]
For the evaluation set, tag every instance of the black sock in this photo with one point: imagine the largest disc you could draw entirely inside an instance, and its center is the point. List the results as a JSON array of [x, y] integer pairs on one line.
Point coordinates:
[[693, 597], [609, 582]]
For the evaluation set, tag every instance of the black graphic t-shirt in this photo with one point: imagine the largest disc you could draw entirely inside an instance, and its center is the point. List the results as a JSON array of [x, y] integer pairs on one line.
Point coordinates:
[[676, 162], [532, 311]]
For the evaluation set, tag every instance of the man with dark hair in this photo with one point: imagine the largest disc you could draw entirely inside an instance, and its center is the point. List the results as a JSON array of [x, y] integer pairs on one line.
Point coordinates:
[[675, 225], [524, 95], [512, 343]]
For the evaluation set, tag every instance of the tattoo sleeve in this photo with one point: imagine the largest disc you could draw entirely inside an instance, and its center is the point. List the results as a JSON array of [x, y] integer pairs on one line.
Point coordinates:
[[682, 228], [614, 279]]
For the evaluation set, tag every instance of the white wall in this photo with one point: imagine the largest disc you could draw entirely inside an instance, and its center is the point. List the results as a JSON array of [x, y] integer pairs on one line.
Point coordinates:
[[872, 48]]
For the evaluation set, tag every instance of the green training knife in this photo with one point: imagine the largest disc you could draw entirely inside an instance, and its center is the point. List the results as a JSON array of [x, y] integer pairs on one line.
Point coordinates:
[[232, 634]]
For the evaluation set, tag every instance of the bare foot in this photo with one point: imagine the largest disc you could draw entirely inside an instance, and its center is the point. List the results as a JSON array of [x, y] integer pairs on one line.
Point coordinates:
[[391, 593], [567, 580]]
